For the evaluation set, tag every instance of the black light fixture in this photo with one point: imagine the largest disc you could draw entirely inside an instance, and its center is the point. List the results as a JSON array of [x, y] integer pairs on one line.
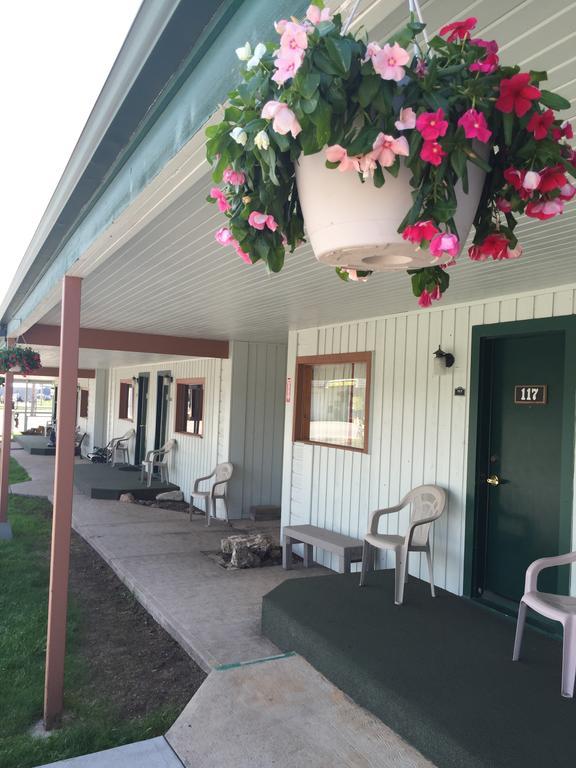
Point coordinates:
[[442, 360]]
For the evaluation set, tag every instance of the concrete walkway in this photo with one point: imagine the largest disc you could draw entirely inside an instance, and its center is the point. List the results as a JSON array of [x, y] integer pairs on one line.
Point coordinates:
[[213, 613], [152, 753]]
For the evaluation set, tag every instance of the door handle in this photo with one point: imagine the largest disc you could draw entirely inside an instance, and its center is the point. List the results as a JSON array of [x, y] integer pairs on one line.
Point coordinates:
[[493, 480]]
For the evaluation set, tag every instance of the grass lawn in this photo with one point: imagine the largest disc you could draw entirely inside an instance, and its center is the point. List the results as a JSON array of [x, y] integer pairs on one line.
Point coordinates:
[[92, 720]]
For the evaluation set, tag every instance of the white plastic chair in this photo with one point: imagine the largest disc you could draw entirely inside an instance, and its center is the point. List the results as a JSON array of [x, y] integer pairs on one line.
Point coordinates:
[[556, 607], [427, 504], [221, 475], [119, 448], [157, 461]]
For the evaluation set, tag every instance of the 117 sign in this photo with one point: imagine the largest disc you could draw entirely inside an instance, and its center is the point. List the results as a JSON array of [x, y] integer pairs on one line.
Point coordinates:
[[531, 394]]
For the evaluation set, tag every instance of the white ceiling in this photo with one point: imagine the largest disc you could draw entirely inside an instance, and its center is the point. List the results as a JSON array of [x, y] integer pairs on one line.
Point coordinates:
[[173, 278], [98, 358]]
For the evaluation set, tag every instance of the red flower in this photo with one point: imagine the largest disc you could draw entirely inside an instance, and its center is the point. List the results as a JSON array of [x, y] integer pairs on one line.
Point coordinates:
[[459, 30], [545, 209], [432, 152], [494, 245], [490, 62], [422, 230], [516, 94], [474, 125], [539, 124], [563, 131], [552, 178], [514, 177], [425, 299], [432, 125]]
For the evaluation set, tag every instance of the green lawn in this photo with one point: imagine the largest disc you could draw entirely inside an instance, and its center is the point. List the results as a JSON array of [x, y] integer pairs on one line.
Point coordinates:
[[88, 725], [17, 473]]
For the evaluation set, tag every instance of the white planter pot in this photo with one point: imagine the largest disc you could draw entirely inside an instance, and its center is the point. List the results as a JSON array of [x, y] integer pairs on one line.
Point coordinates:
[[15, 369], [350, 224]]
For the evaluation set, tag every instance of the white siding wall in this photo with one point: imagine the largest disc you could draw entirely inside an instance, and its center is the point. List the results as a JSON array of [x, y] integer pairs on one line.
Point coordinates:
[[87, 424], [418, 429], [194, 456]]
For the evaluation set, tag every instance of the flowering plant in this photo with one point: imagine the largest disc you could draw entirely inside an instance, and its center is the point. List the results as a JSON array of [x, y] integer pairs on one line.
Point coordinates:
[[24, 358], [369, 108]]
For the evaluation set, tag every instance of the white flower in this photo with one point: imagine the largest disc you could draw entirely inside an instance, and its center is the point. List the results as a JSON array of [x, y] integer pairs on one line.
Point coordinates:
[[245, 52], [262, 140], [239, 135], [259, 51]]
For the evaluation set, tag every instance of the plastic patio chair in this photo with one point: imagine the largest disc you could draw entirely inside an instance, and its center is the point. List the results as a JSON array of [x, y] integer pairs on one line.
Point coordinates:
[[427, 504], [221, 475], [157, 461], [555, 607], [119, 447]]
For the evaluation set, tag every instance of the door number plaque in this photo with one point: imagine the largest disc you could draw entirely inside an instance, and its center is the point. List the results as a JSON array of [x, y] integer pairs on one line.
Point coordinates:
[[531, 394]]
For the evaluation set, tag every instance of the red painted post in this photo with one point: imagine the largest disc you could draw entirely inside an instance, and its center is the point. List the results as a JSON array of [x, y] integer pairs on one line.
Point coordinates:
[[5, 529], [63, 494]]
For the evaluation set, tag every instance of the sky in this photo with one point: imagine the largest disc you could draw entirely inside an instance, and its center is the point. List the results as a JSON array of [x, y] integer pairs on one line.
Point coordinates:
[[55, 56]]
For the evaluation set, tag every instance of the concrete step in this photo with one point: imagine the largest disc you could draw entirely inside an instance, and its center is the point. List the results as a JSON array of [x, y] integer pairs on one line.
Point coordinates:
[[281, 712], [152, 753]]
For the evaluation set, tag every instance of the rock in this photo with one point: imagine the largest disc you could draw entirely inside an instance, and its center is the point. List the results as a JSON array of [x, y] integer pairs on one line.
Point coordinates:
[[243, 557], [170, 496], [128, 498]]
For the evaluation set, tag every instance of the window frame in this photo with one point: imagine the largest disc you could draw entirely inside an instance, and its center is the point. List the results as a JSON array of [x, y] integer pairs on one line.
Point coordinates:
[[303, 393], [83, 405], [124, 413], [179, 406]]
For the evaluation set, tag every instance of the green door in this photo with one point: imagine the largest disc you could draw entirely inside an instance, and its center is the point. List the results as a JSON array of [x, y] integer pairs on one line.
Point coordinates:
[[520, 463]]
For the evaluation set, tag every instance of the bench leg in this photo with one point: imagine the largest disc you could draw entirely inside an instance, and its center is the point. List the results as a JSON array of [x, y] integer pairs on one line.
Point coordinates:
[[347, 561], [287, 553], [308, 555]]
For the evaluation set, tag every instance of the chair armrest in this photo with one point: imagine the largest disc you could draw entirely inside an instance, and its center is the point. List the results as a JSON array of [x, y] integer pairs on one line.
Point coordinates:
[[220, 482], [378, 513], [531, 582], [201, 479], [416, 523], [150, 455]]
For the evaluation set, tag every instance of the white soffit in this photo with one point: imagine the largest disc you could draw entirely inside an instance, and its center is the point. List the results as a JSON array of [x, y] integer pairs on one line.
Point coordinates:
[[161, 270], [101, 358]]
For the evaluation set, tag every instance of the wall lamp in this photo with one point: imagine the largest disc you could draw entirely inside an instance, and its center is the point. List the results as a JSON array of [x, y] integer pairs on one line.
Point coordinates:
[[442, 360]]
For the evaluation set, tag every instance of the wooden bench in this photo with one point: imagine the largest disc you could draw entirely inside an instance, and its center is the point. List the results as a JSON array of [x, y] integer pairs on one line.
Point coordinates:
[[346, 548]]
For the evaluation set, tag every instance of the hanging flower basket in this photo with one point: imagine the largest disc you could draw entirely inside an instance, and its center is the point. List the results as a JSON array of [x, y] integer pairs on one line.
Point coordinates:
[[388, 154], [23, 360]]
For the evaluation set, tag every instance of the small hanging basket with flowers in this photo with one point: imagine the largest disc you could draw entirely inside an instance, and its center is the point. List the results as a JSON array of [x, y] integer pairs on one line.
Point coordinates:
[[23, 360], [387, 157]]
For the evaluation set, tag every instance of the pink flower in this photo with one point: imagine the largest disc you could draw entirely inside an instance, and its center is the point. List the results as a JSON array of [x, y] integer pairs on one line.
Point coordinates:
[[567, 192], [496, 246], [354, 276], [531, 180], [406, 119], [386, 148], [545, 209], [436, 294], [236, 178], [443, 243], [371, 50], [367, 165], [539, 124], [337, 154], [389, 61], [294, 37], [563, 131], [243, 255], [503, 205], [432, 152], [474, 125], [287, 64], [489, 63], [224, 236], [459, 30], [432, 125], [262, 220], [284, 120], [517, 94], [315, 15], [220, 197], [553, 177], [422, 230], [425, 299]]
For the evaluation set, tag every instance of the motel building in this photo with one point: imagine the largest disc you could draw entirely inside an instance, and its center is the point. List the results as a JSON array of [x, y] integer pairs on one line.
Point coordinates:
[[326, 396]]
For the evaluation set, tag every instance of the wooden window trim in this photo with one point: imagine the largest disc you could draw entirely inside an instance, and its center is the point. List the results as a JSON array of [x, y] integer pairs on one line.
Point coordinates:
[[302, 394], [84, 400], [123, 401], [178, 408]]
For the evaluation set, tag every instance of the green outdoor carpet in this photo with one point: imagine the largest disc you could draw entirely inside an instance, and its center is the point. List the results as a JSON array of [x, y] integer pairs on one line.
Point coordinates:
[[437, 671]]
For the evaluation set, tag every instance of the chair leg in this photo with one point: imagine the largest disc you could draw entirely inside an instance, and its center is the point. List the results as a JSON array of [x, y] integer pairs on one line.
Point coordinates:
[[401, 569], [367, 559], [569, 658], [225, 501], [430, 571], [150, 472], [208, 509], [287, 553], [519, 631]]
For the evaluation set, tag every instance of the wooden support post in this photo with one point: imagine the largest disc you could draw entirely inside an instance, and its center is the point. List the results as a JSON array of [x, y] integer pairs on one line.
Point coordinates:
[[63, 494], [5, 528]]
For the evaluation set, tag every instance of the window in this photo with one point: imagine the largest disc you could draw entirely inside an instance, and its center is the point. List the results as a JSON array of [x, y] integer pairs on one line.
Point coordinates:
[[190, 406], [126, 410], [332, 400], [83, 403]]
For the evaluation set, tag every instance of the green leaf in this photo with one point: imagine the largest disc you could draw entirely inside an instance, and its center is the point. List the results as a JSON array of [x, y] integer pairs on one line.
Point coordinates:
[[281, 141], [368, 89], [233, 114], [325, 28], [340, 53], [324, 63], [309, 105], [538, 77], [309, 85], [477, 160], [553, 100], [321, 118], [458, 161], [508, 123], [276, 258], [317, 3]]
